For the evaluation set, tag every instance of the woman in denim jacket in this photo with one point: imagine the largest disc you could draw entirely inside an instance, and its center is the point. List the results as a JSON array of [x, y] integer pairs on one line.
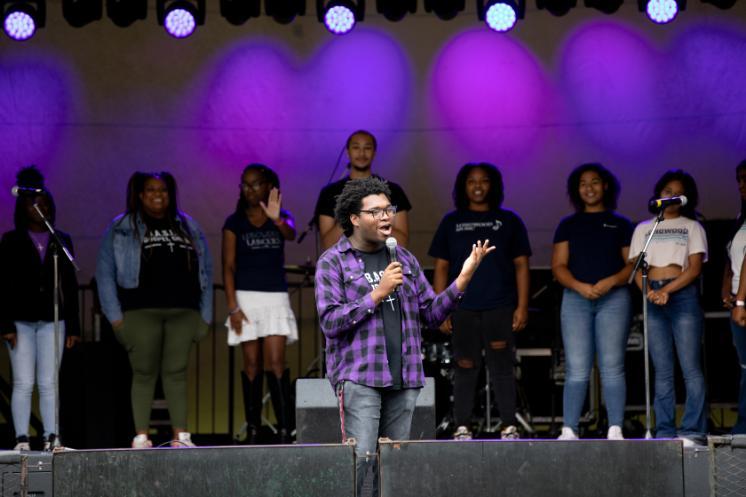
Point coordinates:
[[154, 275]]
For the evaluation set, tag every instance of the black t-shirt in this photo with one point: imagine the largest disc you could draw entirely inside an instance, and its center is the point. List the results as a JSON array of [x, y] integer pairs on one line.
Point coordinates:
[[260, 254], [328, 197], [169, 270], [493, 284], [375, 264], [595, 242]]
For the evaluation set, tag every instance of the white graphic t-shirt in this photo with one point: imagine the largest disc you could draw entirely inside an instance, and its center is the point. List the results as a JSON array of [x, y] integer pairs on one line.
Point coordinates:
[[736, 251], [674, 241]]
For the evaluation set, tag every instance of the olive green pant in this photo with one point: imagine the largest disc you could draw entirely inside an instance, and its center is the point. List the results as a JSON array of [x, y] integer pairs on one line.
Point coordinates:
[[159, 341]]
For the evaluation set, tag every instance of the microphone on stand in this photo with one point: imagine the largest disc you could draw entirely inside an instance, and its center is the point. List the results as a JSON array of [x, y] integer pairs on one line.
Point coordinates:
[[662, 203], [23, 190]]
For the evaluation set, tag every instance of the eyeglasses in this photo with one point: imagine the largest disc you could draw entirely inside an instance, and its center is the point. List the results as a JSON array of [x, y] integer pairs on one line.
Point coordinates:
[[378, 213], [252, 186]]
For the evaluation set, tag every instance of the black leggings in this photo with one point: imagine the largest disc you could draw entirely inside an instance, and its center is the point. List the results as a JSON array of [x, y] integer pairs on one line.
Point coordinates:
[[492, 331]]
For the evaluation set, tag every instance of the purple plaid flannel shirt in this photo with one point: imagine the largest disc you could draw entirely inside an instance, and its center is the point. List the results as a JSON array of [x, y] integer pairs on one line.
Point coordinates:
[[355, 341]]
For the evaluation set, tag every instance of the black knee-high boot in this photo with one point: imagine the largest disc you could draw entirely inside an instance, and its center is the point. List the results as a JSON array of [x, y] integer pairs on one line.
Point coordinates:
[[252, 404], [279, 389]]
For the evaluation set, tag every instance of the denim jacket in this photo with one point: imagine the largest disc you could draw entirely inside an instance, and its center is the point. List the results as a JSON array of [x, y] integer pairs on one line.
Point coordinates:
[[118, 264]]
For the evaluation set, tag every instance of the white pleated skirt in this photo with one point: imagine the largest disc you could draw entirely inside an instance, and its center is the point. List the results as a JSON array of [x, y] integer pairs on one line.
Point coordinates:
[[268, 314]]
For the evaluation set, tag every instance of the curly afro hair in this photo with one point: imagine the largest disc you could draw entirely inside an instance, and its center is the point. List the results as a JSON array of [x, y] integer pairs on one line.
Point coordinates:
[[350, 201]]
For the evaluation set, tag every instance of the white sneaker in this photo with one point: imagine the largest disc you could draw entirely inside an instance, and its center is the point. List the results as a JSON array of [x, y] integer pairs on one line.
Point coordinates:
[[510, 433], [141, 442], [183, 439], [462, 433], [22, 443], [52, 443], [615, 433], [567, 434], [689, 441]]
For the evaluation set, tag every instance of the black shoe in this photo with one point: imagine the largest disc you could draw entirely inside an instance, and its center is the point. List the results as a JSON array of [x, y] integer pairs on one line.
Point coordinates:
[[279, 389], [52, 442], [252, 403]]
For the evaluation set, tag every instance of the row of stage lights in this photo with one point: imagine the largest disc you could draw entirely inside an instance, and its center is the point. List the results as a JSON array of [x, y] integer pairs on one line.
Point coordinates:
[[180, 18]]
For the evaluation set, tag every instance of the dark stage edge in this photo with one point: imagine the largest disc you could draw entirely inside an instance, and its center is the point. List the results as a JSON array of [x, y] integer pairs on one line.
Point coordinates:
[[257, 471], [536, 468], [479, 468]]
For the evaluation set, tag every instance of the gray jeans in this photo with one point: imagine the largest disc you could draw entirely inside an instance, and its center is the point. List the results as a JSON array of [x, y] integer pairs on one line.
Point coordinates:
[[368, 414]]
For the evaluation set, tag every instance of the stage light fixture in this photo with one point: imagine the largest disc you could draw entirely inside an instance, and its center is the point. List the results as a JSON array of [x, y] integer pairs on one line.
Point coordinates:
[[661, 11], [445, 9], [180, 17], [21, 19], [124, 12], [340, 16], [605, 6], [501, 15], [78, 13], [395, 10], [284, 11], [556, 7], [238, 12]]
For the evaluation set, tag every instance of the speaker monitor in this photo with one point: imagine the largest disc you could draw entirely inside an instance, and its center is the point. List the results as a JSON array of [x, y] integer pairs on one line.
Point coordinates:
[[317, 413]]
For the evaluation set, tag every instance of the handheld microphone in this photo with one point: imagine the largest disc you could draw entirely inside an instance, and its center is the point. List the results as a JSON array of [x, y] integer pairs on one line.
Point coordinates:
[[662, 203], [391, 245], [23, 190]]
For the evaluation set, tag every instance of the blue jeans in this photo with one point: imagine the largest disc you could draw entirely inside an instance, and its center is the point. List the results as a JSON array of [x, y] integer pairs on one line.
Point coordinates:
[[678, 326], [34, 352], [589, 327], [369, 414], [739, 341]]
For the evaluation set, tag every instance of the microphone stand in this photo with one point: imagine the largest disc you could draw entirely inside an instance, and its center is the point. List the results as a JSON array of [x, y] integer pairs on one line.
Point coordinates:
[[642, 265], [57, 242]]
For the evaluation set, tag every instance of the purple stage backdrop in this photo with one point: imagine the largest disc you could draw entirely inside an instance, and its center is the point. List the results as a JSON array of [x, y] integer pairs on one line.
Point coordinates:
[[90, 106]]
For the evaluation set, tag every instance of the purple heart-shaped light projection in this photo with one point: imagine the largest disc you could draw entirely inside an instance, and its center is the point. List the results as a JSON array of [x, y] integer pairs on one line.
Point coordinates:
[[264, 104], [610, 75], [706, 66], [488, 100], [34, 108], [36, 94]]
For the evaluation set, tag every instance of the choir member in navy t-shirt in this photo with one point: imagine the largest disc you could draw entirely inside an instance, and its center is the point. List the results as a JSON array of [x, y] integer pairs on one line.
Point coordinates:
[[496, 303], [589, 259], [260, 317]]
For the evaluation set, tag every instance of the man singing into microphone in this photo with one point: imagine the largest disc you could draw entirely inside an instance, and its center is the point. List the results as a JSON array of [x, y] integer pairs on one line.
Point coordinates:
[[370, 311]]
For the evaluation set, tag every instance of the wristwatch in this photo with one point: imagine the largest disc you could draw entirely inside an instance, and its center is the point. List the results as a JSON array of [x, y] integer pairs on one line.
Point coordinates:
[[740, 303]]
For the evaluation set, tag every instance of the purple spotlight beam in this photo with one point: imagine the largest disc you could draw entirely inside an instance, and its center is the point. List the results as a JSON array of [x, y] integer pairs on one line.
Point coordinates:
[[19, 25], [662, 11], [339, 20], [180, 23]]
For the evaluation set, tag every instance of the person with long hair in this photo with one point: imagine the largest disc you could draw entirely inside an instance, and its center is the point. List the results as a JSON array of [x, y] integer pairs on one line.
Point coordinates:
[[154, 275], [259, 313], [496, 303], [589, 260], [361, 148], [734, 294], [675, 319], [27, 307]]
